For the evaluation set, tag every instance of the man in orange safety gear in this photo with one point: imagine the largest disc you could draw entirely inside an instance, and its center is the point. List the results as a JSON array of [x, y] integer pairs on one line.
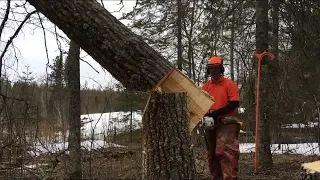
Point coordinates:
[[223, 139]]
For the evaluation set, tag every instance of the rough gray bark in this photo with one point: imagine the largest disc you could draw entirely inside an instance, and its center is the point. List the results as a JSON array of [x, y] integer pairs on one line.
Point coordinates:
[[73, 82], [130, 60], [231, 48], [167, 150], [262, 41], [191, 63], [276, 65], [275, 29]]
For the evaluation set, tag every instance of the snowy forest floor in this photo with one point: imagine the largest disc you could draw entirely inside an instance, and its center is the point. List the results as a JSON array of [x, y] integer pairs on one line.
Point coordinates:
[[125, 162], [119, 163]]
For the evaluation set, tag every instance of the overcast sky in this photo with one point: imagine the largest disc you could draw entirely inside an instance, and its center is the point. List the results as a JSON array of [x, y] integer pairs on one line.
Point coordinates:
[[32, 50]]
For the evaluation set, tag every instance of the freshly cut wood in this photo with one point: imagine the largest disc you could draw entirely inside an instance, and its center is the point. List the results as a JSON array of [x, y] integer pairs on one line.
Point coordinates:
[[312, 167], [199, 101], [310, 170], [167, 152]]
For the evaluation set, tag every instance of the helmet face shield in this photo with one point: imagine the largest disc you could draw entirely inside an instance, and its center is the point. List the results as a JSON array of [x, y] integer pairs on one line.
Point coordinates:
[[214, 70]]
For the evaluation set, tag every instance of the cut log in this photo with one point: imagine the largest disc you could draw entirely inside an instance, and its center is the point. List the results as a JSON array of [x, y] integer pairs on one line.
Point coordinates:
[[167, 152]]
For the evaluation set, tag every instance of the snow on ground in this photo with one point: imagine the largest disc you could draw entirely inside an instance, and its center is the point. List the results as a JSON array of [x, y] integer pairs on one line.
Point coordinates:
[[42, 148], [101, 124], [301, 125], [303, 148], [35, 166]]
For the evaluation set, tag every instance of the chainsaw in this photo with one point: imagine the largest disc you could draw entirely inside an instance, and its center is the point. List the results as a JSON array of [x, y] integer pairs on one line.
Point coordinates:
[[208, 123]]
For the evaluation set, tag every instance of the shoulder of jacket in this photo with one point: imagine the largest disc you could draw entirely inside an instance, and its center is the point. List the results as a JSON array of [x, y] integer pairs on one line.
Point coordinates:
[[230, 82]]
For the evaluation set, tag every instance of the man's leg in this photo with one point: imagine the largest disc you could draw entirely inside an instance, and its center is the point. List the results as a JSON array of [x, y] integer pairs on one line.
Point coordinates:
[[228, 149], [213, 160]]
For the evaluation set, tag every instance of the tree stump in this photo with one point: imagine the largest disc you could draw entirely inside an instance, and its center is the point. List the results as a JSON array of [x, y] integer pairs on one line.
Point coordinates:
[[167, 151]]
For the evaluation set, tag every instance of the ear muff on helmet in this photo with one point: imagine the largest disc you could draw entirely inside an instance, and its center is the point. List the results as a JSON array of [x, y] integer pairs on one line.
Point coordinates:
[[221, 69]]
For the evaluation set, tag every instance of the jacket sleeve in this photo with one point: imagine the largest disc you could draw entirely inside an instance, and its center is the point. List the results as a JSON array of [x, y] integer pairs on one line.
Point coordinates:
[[227, 108]]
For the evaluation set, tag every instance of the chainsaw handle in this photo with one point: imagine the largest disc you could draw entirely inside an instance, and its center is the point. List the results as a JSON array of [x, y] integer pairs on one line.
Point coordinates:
[[208, 114]]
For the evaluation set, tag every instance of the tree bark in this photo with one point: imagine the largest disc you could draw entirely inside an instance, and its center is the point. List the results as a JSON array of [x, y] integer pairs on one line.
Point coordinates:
[[167, 143], [231, 48], [275, 29], [130, 60], [262, 41], [73, 82]]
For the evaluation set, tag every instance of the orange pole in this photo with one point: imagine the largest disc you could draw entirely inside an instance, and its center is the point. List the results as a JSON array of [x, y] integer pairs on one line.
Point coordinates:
[[259, 57]]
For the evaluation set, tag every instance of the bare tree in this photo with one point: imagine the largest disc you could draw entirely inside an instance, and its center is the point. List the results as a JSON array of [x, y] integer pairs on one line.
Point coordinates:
[[262, 42], [73, 85]]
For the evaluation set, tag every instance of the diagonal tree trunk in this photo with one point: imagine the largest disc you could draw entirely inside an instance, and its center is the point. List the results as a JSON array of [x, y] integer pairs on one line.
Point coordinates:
[[130, 60], [73, 82], [167, 143]]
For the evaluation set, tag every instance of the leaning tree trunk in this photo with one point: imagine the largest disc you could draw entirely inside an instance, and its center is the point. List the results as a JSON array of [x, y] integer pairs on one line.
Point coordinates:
[[262, 41], [122, 53], [73, 81], [167, 145]]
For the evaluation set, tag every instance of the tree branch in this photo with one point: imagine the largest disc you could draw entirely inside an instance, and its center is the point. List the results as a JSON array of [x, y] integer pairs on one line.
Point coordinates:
[[12, 37], [45, 42], [102, 3], [89, 65], [5, 19]]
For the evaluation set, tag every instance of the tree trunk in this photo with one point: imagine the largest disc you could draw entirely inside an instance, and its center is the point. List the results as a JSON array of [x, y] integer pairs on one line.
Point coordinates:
[[179, 35], [231, 49], [276, 98], [167, 144], [130, 60], [265, 157], [131, 119], [73, 81], [275, 29], [191, 64]]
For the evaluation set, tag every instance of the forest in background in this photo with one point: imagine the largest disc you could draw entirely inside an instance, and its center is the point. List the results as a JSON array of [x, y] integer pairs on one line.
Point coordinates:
[[187, 33]]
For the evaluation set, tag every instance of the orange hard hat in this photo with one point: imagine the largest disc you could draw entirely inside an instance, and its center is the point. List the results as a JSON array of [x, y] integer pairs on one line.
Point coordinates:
[[215, 60]]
